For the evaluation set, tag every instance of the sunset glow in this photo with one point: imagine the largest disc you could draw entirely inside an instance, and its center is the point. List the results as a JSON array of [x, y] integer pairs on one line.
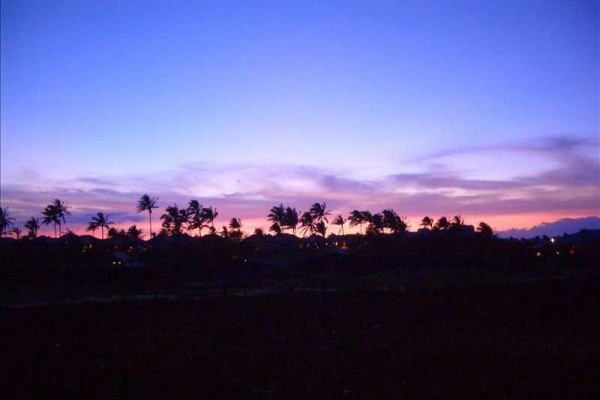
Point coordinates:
[[484, 109]]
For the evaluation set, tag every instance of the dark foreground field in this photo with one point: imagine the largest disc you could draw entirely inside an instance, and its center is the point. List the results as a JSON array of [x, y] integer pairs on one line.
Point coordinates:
[[519, 340]]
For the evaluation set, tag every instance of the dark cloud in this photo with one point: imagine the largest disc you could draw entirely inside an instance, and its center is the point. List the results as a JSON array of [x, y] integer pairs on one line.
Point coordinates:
[[557, 228]]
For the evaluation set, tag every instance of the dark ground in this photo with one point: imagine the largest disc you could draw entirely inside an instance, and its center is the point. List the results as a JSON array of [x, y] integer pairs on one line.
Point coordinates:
[[528, 340]]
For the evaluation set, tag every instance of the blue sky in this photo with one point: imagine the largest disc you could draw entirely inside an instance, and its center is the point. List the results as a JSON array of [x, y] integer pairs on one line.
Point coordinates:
[[248, 104]]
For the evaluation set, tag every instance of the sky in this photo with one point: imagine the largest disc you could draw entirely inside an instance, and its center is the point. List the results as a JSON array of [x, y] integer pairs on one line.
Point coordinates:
[[485, 109]]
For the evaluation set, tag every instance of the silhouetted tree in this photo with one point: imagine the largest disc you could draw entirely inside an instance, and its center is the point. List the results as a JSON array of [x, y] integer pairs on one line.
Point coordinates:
[[319, 212], [224, 232], [277, 215], [173, 220], [56, 213], [457, 221], [339, 220], [307, 223], [235, 226], [290, 219], [485, 230], [6, 221], [442, 223], [147, 203], [275, 228], [259, 231], [375, 223], [114, 233], [99, 221], [195, 220], [32, 225], [321, 228], [92, 226], [356, 218], [427, 222], [134, 232], [17, 231], [393, 222], [208, 214]]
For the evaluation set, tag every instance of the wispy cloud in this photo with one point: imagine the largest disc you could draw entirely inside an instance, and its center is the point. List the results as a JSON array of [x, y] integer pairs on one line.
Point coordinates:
[[570, 188]]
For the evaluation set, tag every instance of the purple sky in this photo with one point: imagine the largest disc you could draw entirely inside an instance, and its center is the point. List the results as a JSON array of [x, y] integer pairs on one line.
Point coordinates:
[[485, 109]]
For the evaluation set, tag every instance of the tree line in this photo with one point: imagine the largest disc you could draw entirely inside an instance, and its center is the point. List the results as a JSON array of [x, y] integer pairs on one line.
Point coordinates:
[[177, 220]]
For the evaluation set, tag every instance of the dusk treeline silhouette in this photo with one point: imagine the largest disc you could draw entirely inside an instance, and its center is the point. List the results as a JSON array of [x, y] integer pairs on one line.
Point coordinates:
[[181, 220]]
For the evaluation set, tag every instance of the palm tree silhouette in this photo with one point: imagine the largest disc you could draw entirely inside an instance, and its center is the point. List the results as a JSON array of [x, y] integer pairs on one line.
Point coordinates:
[[208, 214], [6, 221], [173, 219], [17, 231], [307, 223], [147, 203], [356, 218], [427, 222], [485, 230], [32, 225], [457, 221], [275, 228], [91, 226], [321, 228], [276, 214], [55, 213], [339, 220], [235, 224], [442, 223], [319, 212], [99, 221], [290, 219], [194, 216], [375, 223]]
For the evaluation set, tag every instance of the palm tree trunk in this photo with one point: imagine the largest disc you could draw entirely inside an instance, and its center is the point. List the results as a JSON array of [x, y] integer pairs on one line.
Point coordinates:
[[150, 220]]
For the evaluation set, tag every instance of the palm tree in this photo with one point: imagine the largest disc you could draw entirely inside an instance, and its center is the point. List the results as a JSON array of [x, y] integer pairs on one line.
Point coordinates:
[[173, 219], [208, 214], [6, 221], [236, 229], [55, 213], [290, 219], [307, 223], [235, 224], [485, 230], [17, 231], [277, 214], [319, 212], [99, 221], [92, 226], [375, 223], [457, 221], [194, 216], [442, 223], [32, 225], [339, 220], [391, 220], [427, 222], [356, 218], [321, 228], [147, 203], [275, 228]]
